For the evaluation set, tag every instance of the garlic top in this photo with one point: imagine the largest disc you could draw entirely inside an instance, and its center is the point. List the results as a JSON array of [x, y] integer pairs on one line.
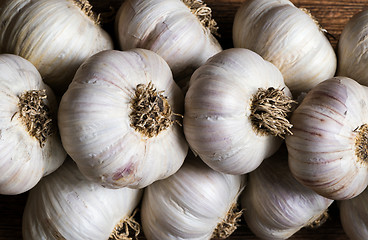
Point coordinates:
[[120, 119], [352, 53], [289, 38], [65, 205], [354, 216], [236, 106], [171, 29], [30, 146], [194, 203], [276, 204], [328, 148], [55, 35]]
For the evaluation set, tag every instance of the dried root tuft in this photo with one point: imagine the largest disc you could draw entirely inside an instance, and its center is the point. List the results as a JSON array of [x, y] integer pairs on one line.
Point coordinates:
[[319, 221], [204, 14], [361, 143], [36, 115], [269, 111], [123, 229], [86, 7], [229, 224], [151, 112]]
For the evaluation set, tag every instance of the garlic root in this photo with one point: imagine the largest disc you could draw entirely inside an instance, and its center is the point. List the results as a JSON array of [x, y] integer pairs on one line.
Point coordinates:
[[269, 111], [229, 224], [122, 230]]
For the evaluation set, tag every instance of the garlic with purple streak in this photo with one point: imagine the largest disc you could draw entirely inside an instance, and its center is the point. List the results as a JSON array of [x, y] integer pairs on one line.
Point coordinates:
[[120, 119]]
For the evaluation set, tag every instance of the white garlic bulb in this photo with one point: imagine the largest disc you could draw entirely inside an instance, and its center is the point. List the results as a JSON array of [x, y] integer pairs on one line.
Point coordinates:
[[30, 145], [65, 205], [118, 119], [55, 35], [177, 30], [352, 45], [289, 38], [194, 203], [236, 106], [276, 204], [328, 148], [354, 216]]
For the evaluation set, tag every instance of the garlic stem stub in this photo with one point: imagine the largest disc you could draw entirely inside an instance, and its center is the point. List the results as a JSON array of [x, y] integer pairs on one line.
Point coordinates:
[[288, 37], [328, 147], [120, 119], [354, 216], [196, 202], [236, 109], [65, 205], [55, 35], [30, 145], [179, 31], [276, 204], [352, 54]]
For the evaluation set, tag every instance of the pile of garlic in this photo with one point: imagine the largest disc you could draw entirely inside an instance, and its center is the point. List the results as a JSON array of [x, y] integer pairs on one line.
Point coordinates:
[[156, 117]]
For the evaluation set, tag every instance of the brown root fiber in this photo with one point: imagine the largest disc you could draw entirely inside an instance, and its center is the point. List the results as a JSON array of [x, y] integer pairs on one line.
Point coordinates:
[[319, 221], [35, 114], [203, 13], [269, 111], [86, 8], [123, 230], [151, 112], [229, 224], [361, 143]]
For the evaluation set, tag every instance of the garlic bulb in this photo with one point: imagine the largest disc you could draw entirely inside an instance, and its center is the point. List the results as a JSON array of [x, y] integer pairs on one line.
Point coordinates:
[[119, 120], [276, 204], [354, 216], [30, 146], [194, 203], [177, 30], [289, 38], [65, 205], [328, 148], [236, 106], [352, 53], [55, 35]]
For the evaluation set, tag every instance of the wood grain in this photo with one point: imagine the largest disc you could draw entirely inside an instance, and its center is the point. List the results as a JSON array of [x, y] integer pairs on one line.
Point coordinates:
[[332, 15]]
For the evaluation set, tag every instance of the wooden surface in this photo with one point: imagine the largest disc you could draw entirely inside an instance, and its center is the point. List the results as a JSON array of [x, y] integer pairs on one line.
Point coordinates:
[[332, 15]]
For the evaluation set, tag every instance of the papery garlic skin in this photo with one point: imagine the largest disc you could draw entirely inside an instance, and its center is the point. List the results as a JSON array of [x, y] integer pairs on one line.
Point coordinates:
[[190, 203], [287, 37], [65, 205], [276, 204], [55, 35], [352, 53], [322, 149], [23, 160], [168, 28], [218, 103], [354, 216], [95, 126]]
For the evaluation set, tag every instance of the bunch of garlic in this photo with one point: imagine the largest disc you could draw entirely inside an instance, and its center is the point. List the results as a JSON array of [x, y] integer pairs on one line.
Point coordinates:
[[236, 107], [120, 119], [194, 203], [55, 35], [328, 148], [289, 38], [180, 31], [30, 145], [276, 204], [65, 205]]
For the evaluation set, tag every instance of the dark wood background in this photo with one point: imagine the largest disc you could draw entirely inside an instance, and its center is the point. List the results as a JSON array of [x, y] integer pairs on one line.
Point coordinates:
[[331, 14]]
